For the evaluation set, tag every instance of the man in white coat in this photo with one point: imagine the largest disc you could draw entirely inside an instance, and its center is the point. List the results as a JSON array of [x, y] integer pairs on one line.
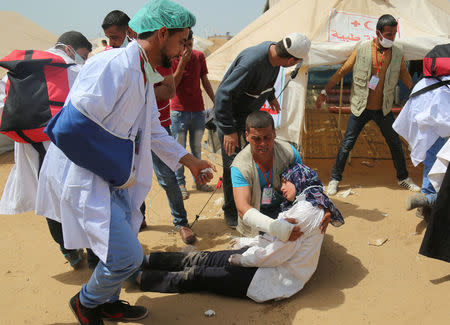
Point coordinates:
[[115, 89], [19, 193]]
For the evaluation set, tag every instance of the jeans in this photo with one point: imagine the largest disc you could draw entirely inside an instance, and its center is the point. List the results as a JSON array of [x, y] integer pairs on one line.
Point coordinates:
[[354, 127], [123, 259], [197, 271], [182, 123], [229, 208], [168, 181], [430, 158]]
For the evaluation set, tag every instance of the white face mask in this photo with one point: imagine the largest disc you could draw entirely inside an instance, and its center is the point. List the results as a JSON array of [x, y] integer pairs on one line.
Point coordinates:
[[386, 43], [79, 59], [126, 40], [152, 76]]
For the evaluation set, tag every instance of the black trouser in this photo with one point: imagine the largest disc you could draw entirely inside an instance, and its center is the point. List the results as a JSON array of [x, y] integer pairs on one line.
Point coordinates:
[[229, 208], [55, 228], [354, 127], [197, 271]]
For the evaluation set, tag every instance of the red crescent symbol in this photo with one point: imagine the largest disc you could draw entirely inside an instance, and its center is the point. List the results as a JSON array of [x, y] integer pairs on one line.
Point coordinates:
[[366, 25]]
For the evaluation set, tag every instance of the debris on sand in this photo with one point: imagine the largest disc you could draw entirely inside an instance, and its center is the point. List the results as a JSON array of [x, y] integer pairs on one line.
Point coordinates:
[[210, 313], [378, 242]]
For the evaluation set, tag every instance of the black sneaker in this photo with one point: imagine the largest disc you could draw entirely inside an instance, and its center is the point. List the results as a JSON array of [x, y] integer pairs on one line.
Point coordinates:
[[122, 311], [85, 316]]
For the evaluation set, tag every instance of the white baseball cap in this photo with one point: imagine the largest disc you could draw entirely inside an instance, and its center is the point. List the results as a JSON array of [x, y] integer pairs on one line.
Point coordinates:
[[297, 45]]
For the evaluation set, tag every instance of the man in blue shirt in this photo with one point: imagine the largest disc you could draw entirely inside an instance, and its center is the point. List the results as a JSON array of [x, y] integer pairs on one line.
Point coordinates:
[[255, 175], [247, 84]]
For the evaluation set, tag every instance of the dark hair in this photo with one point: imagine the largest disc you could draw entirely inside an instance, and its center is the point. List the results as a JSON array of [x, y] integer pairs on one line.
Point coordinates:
[[386, 20], [191, 33], [281, 50], [259, 120], [76, 40], [172, 31], [116, 18]]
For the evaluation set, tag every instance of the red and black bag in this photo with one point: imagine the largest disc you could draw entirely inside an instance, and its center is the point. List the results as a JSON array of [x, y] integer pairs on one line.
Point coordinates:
[[36, 89], [436, 64]]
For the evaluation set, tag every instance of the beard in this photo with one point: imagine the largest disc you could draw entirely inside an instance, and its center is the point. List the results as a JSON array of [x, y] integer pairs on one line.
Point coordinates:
[[166, 62]]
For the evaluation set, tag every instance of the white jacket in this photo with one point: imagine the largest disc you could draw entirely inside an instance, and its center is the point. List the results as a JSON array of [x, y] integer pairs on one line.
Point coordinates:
[[110, 89]]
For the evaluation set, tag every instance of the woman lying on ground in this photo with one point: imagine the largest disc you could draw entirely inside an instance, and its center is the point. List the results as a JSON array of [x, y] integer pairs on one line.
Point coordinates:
[[261, 268]]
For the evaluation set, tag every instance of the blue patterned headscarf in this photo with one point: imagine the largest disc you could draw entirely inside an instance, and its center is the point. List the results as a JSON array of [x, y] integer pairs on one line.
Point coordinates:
[[308, 184]]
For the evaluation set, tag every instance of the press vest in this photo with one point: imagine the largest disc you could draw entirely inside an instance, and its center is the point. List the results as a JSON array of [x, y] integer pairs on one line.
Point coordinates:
[[283, 157], [362, 72]]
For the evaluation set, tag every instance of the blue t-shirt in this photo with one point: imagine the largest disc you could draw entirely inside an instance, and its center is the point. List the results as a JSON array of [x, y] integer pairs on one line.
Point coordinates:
[[238, 180]]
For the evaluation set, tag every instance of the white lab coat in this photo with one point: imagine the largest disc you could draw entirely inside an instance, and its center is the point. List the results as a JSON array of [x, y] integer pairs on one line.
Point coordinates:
[[437, 172], [424, 118], [284, 267], [110, 89], [19, 193]]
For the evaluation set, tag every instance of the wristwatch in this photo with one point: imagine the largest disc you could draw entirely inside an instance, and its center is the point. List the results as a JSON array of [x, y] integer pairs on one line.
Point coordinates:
[[323, 92]]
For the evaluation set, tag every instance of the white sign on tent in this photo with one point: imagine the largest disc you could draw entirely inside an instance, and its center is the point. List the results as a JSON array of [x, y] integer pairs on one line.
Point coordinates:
[[279, 85], [352, 27]]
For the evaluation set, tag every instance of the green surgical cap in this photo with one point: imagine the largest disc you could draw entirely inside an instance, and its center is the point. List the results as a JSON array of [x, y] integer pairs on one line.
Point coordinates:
[[161, 13]]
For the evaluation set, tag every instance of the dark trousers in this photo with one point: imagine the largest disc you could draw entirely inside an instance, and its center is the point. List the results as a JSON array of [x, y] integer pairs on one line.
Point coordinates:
[[354, 127], [55, 228], [229, 208], [436, 242], [197, 271]]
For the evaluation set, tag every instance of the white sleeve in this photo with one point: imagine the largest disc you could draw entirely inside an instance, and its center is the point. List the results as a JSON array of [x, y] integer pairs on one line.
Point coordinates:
[[2, 92], [272, 255]]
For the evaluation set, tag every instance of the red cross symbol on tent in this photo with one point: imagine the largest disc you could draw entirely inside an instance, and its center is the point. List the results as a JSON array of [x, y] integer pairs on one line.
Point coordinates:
[[355, 23]]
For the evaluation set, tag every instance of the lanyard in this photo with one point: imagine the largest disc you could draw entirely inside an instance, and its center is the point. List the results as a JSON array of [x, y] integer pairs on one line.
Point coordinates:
[[264, 174], [376, 60]]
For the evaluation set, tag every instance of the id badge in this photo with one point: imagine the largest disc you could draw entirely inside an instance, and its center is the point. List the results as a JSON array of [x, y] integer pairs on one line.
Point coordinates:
[[267, 195], [373, 82]]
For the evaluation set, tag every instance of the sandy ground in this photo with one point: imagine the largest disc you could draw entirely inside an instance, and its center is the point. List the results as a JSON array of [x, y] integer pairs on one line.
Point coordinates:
[[354, 284]]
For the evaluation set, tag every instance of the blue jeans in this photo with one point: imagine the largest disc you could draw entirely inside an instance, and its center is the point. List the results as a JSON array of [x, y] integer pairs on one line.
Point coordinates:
[[354, 127], [124, 256], [168, 181], [182, 123], [229, 207], [430, 158]]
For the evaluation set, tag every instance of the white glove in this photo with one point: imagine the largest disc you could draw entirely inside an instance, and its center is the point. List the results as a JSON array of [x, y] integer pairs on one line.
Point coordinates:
[[279, 228]]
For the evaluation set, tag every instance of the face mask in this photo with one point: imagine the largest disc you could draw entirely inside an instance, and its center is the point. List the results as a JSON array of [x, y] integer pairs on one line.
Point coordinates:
[[386, 43], [152, 76], [79, 59], [125, 41]]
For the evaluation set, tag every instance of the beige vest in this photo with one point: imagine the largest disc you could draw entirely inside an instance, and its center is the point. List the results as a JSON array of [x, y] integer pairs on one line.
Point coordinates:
[[362, 72], [283, 158]]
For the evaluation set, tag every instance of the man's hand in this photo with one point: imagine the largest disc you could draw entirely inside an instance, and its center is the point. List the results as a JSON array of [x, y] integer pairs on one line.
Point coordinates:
[[200, 169], [186, 55], [320, 99], [325, 221], [235, 259], [275, 105], [296, 232], [230, 142]]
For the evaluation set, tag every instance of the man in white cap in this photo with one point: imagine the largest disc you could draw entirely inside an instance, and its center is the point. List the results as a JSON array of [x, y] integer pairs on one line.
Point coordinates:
[[247, 84]]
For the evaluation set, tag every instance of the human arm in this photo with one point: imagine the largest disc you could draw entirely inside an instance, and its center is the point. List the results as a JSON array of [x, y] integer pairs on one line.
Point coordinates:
[[275, 105], [405, 77], [179, 68], [197, 168], [278, 228], [207, 86], [272, 255], [342, 71], [165, 90]]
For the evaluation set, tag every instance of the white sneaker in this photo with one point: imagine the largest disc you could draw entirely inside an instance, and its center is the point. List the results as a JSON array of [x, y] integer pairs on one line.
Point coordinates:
[[332, 187], [409, 185]]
